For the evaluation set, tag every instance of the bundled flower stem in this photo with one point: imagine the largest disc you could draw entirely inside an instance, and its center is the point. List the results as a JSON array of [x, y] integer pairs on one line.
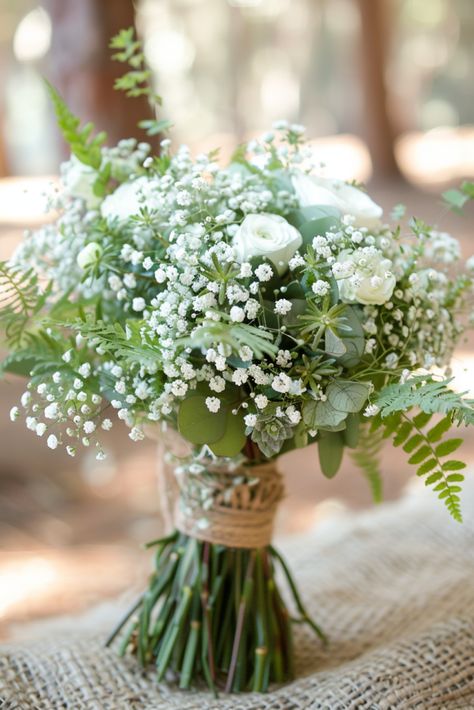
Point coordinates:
[[214, 613]]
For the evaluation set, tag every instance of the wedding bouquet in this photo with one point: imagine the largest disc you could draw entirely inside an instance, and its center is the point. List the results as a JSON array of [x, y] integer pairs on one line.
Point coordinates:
[[254, 308]]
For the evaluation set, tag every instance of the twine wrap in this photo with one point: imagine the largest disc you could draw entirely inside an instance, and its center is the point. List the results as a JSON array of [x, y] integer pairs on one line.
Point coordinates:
[[229, 505]]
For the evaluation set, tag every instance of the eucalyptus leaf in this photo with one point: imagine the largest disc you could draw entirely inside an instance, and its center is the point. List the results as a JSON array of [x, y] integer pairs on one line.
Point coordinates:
[[347, 396], [318, 415], [315, 221], [351, 434], [234, 437], [333, 344], [330, 449], [197, 424], [313, 213], [353, 338], [298, 307]]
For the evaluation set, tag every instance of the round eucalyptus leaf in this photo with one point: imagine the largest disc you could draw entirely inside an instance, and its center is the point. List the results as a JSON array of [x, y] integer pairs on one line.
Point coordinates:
[[318, 415], [353, 339], [197, 424], [347, 396], [234, 436]]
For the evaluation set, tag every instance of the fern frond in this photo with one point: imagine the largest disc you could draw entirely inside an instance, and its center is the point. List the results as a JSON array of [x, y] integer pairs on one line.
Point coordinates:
[[235, 335], [83, 145], [428, 394], [138, 80], [130, 344], [21, 298], [366, 458], [40, 355], [428, 453]]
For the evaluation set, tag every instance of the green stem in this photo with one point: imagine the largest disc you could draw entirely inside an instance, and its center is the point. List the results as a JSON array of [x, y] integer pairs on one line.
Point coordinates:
[[245, 599], [214, 613], [294, 590]]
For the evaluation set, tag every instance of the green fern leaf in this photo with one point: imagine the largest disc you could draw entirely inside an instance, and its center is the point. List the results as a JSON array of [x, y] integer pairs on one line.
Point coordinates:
[[430, 396], [427, 455], [447, 447], [82, 145], [21, 299], [367, 458], [426, 466], [453, 466]]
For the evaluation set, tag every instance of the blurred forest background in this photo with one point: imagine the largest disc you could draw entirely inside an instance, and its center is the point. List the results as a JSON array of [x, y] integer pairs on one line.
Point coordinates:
[[385, 88]]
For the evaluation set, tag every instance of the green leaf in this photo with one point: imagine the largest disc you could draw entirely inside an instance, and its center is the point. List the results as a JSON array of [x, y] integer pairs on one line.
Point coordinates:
[[428, 394], [330, 449], [455, 199], [391, 425], [153, 128], [366, 456], [433, 478], [455, 477], [334, 346], [351, 434], [234, 437], [453, 466], [197, 424], [426, 467], [403, 433], [439, 429], [353, 338], [420, 455], [398, 212], [422, 419], [314, 220], [317, 415], [412, 443], [85, 148], [447, 447], [347, 396]]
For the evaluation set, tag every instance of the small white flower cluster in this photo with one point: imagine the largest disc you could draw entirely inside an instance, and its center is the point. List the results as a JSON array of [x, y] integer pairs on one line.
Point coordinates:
[[221, 282]]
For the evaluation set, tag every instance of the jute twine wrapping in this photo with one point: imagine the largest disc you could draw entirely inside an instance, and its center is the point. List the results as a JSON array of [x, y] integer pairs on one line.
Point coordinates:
[[244, 504], [243, 499], [393, 588]]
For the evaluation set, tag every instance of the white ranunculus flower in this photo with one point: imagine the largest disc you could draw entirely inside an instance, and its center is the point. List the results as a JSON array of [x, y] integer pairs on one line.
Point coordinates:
[[78, 179], [129, 198], [365, 277], [267, 235], [313, 190], [89, 255]]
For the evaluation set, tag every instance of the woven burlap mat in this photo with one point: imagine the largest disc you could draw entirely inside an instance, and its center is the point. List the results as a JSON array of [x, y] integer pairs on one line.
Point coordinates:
[[394, 589]]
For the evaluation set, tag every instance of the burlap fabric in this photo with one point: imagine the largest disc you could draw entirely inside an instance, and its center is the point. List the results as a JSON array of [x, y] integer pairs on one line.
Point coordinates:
[[394, 589]]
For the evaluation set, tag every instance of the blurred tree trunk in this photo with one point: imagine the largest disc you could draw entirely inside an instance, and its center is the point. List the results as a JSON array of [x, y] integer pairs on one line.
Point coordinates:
[[378, 130], [81, 69]]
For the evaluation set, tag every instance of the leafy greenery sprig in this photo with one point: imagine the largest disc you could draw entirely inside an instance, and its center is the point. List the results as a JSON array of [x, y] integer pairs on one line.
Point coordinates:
[[428, 394], [457, 199], [127, 343], [428, 452], [85, 146], [21, 299], [137, 81], [367, 458]]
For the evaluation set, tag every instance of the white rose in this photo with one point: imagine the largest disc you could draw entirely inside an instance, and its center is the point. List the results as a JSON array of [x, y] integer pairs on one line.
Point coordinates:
[[367, 279], [89, 255], [78, 180], [129, 198], [266, 235], [312, 190]]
